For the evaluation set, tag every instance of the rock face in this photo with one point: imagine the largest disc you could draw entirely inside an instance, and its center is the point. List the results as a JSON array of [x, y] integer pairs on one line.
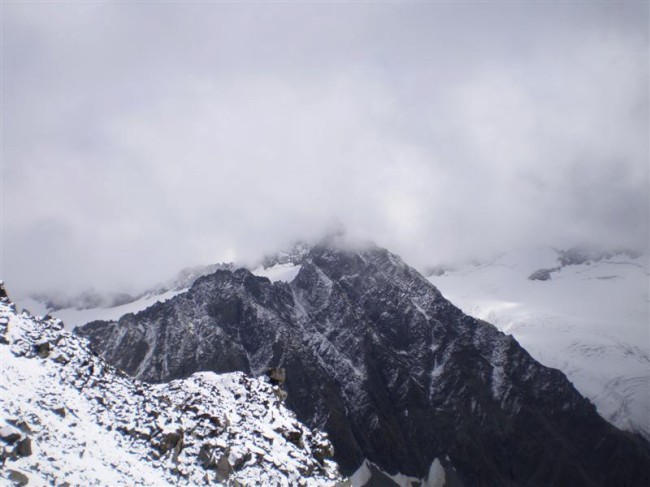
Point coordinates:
[[396, 374], [588, 318], [68, 418]]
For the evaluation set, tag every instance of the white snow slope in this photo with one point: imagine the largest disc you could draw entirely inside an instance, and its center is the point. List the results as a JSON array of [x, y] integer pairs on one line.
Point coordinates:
[[91, 306], [67, 417], [72, 317], [589, 320]]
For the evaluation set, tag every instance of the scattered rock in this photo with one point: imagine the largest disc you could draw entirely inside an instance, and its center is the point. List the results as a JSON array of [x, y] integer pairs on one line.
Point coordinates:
[[171, 441], [205, 457], [322, 451], [60, 357], [60, 410], [237, 461], [18, 477], [24, 447], [224, 469], [294, 436], [21, 425], [9, 434], [277, 375], [542, 274], [42, 349]]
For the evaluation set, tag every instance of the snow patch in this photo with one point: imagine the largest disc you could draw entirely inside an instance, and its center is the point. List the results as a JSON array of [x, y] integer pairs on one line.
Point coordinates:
[[279, 272], [437, 477], [364, 475]]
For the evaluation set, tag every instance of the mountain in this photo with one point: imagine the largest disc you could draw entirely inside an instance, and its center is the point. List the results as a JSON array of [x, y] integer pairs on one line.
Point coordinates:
[[92, 305], [404, 382], [583, 311], [68, 418]]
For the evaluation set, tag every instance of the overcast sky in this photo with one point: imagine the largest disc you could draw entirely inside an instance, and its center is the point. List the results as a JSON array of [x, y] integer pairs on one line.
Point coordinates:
[[139, 138]]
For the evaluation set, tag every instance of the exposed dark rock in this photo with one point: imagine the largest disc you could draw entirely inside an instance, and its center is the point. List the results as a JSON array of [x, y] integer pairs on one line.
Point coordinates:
[[10, 435], [60, 410], [206, 457], [277, 375], [223, 467], [170, 441], [295, 437], [542, 274], [323, 451], [43, 349], [388, 367], [24, 447], [18, 477]]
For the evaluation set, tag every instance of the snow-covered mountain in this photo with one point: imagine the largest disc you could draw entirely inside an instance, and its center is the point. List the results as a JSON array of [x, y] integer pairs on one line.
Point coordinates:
[[91, 305], [68, 418], [581, 311], [402, 380]]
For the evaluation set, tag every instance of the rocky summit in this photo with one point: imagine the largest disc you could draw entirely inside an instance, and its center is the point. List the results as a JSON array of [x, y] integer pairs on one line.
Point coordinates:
[[397, 376], [68, 418]]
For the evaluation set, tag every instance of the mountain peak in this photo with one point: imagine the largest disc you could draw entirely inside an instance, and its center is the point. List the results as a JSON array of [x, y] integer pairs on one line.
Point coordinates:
[[396, 374]]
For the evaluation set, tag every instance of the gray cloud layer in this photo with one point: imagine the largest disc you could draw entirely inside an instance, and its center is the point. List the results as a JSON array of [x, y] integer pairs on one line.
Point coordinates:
[[140, 138]]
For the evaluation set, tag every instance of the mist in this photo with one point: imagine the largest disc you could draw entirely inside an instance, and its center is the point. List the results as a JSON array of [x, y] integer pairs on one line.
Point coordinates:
[[140, 138]]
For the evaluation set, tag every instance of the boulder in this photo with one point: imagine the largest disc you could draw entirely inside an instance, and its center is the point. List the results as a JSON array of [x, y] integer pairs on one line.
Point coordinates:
[[277, 375], [9, 434], [18, 477], [24, 447], [42, 349], [224, 469]]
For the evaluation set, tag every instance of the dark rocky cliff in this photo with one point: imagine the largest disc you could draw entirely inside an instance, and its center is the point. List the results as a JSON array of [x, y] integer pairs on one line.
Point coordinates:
[[389, 368]]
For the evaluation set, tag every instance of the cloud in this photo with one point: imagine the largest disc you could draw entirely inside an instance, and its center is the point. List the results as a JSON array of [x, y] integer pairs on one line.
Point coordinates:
[[141, 138]]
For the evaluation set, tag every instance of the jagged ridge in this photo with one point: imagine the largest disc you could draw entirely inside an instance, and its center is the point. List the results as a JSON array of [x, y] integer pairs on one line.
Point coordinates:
[[389, 368]]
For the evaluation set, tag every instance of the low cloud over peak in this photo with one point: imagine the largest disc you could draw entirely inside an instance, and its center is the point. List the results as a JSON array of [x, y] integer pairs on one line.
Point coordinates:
[[142, 138]]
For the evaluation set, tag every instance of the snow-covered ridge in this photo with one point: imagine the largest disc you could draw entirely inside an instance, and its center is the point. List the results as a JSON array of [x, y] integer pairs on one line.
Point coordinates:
[[588, 317], [91, 305], [67, 416], [72, 317]]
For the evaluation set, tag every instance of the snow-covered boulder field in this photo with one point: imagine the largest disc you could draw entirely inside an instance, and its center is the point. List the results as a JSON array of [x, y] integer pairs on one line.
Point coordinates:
[[68, 418]]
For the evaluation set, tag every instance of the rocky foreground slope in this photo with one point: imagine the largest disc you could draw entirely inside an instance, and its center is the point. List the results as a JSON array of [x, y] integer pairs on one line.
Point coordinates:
[[395, 373], [68, 418]]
